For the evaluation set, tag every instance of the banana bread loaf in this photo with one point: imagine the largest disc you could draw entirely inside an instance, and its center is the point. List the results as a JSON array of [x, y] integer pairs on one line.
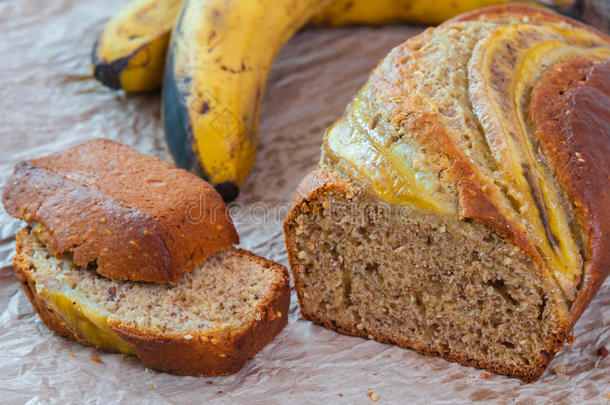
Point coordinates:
[[462, 205]]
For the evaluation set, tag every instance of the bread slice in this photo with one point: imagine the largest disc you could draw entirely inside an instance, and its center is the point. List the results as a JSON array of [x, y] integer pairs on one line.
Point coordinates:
[[135, 217], [462, 206], [208, 323]]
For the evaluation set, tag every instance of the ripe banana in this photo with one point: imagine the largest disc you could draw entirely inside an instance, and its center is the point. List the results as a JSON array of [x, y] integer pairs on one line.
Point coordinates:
[[378, 12], [130, 53], [218, 62], [349, 12]]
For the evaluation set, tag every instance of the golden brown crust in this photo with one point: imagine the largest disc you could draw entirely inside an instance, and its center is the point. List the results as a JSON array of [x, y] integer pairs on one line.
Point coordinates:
[[570, 112], [209, 355], [519, 12], [322, 183], [135, 216]]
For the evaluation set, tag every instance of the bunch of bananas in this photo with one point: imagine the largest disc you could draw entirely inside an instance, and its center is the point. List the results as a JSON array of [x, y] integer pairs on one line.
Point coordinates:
[[213, 58]]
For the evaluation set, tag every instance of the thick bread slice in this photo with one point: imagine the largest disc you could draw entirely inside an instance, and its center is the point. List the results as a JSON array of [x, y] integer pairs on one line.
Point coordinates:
[[135, 217], [208, 323]]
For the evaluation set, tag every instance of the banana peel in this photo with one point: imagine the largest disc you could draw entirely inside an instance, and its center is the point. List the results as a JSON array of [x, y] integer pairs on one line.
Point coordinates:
[[218, 62], [130, 53]]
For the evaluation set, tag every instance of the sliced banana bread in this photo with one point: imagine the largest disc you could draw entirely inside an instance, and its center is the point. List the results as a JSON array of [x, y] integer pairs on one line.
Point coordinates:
[[208, 323]]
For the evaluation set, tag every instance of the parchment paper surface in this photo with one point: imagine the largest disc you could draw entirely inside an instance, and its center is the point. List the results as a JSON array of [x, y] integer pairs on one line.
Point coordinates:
[[48, 102]]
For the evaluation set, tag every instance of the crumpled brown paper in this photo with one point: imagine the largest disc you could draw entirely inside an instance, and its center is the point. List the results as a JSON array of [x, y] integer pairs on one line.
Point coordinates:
[[48, 102]]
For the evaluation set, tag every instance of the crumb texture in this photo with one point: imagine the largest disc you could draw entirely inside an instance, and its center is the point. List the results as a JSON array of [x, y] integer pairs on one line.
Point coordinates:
[[435, 284], [226, 292]]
